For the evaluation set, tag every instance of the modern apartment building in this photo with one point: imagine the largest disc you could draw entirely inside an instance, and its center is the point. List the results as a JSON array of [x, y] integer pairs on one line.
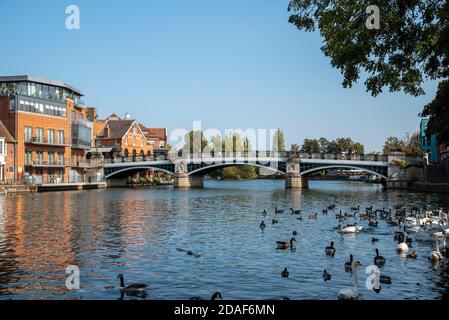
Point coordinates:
[[49, 123], [428, 145]]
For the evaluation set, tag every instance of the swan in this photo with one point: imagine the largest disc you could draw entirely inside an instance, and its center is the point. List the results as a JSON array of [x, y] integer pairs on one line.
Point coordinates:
[[379, 260], [132, 289], [436, 255], [282, 245], [285, 273], [349, 229], [351, 293], [402, 246], [330, 251]]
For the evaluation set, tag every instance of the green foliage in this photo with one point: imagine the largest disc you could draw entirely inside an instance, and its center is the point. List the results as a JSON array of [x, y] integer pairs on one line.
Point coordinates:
[[335, 146], [410, 46], [438, 111], [195, 142], [410, 145], [279, 141], [310, 146]]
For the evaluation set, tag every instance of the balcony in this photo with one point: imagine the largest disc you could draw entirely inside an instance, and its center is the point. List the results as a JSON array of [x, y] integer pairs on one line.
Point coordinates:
[[47, 142], [45, 164], [81, 164]]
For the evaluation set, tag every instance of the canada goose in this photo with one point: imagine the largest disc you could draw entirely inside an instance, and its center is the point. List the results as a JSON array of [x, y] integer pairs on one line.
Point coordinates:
[[276, 210], [132, 289], [326, 276], [262, 225], [355, 208], [274, 221], [385, 279], [348, 264], [295, 233], [285, 273], [312, 216], [331, 207], [282, 245], [189, 252], [264, 213], [330, 251], [351, 293], [325, 211], [295, 211], [373, 240], [412, 255], [215, 296], [379, 260], [372, 223], [300, 218]]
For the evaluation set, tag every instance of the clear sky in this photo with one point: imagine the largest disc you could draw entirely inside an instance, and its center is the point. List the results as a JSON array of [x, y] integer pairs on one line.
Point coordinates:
[[229, 64]]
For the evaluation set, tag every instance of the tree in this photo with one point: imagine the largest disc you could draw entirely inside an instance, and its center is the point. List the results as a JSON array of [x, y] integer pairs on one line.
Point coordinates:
[[410, 145], [195, 142], [358, 148], [438, 110], [393, 144], [295, 148], [409, 47], [324, 144], [310, 146], [279, 141]]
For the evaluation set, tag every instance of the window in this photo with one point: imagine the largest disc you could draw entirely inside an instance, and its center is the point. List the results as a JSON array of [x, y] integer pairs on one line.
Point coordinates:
[[51, 157], [28, 157], [39, 135], [60, 158], [28, 134], [2, 144], [60, 136], [39, 157], [134, 140], [51, 136]]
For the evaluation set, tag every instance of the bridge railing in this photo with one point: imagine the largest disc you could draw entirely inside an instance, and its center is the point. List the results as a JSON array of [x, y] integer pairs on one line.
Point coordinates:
[[280, 156]]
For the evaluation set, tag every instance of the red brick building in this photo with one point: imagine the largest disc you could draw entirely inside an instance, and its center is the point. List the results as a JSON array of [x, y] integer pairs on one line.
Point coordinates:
[[7, 151]]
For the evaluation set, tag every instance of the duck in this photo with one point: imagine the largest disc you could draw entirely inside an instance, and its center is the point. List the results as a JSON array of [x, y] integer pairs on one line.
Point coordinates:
[[385, 279], [412, 255], [351, 293], [373, 240], [285, 273], [348, 264], [274, 221], [295, 211], [282, 245], [330, 250], [379, 260], [262, 225], [276, 210], [326, 276], [132, 289], [215, 296]]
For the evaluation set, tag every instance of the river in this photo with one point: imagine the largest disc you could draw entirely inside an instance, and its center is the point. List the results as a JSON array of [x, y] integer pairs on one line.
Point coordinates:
[[136, 232]]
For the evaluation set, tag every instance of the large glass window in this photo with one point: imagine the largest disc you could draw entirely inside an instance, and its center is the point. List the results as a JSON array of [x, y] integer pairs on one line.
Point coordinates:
[[61, 137], [60, 158], [39, 135]]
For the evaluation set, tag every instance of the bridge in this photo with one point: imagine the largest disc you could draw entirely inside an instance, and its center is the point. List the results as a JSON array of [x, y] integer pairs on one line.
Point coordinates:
[[189, 170]]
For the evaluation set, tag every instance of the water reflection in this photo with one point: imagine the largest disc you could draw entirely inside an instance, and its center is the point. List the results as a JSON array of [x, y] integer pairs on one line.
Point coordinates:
[[137, 232]]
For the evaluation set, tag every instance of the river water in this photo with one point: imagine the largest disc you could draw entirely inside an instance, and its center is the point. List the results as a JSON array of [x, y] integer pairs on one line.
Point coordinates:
[[136, 232]]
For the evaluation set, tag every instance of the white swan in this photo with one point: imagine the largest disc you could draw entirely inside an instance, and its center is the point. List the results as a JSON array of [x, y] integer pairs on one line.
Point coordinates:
[[402, 247], [349, 229], [436, 255], [351, 293]]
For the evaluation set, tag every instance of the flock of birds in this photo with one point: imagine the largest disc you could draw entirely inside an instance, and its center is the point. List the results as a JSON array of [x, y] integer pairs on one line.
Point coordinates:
[[424, 224]]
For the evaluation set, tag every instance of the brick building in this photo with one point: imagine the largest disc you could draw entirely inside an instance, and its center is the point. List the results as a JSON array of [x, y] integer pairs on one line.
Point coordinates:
[[7, 151], [51, 128]]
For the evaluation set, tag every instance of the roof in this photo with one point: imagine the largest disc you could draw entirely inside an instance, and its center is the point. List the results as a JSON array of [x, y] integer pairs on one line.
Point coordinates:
[[4, 133], [117, 128], [160, 133], [56, 83], [113, 116]]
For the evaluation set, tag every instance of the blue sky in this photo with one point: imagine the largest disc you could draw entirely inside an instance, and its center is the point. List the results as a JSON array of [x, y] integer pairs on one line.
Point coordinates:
[[230, 64]]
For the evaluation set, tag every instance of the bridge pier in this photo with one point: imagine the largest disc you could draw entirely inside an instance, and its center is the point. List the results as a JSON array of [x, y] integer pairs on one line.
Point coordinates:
[[293, 177], [184, 181]]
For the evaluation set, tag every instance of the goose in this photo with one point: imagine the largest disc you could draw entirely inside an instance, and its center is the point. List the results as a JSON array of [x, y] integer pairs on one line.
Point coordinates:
[[339, 215], [326, 276], [356, 208], [385, 279], [330, 251], [372, 223], [348, 264], [373, 240], [351, 293], [132, 289], [379, 260], [295, 233], [312, 216], [275, 221], [264, 213], [402, 246], [215, 296], [331, 207], [276, 210], [282, 245], [412, 255], [262, 225], [436, 255], [295, 211], [370, 208], [285, 273], [325, 211]]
